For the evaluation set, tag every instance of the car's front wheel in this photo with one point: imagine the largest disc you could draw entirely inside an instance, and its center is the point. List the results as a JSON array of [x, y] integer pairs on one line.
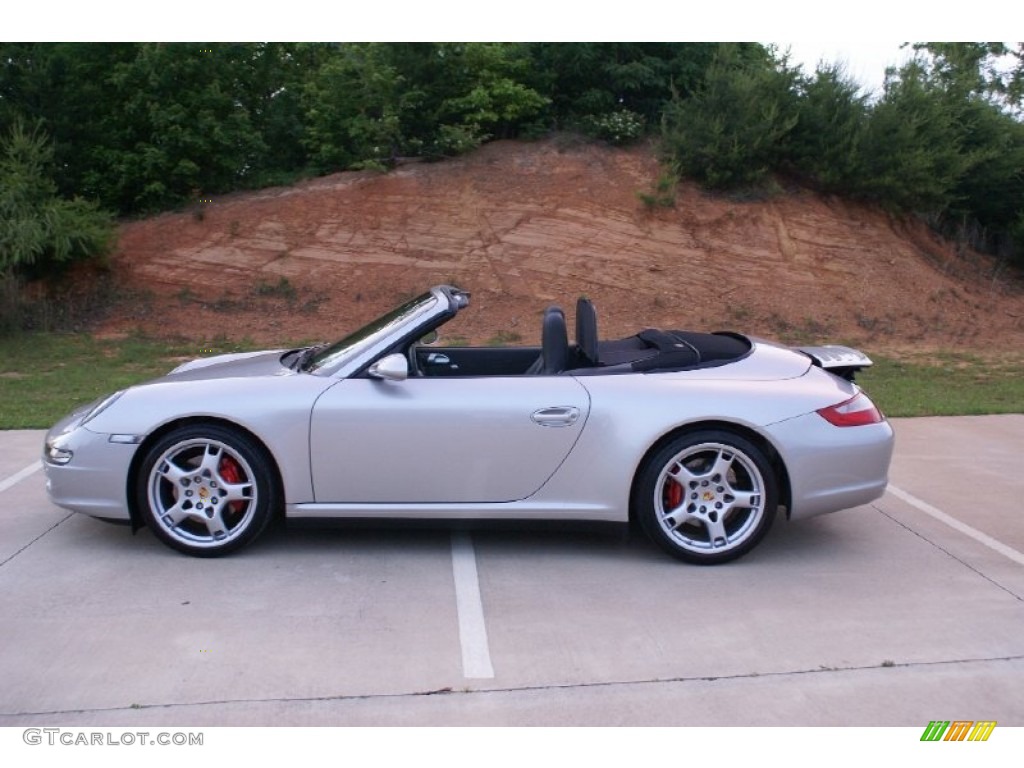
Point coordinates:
[[707, 497], [205, 490]]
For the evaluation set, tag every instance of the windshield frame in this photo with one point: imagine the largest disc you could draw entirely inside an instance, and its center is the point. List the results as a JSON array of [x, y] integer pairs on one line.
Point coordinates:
[[359, 348]]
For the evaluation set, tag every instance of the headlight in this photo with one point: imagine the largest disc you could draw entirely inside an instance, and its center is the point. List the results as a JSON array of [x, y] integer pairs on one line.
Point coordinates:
[[57, 455]]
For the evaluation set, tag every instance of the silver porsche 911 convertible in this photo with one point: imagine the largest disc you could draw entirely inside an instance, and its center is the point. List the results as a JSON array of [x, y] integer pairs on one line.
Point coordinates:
[[699, 438]]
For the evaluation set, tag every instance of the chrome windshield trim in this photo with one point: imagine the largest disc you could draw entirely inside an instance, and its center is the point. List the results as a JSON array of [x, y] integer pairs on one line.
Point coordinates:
[[418, 313]]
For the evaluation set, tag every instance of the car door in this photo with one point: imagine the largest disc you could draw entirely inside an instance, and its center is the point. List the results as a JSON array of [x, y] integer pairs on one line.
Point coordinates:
[[446, 440]]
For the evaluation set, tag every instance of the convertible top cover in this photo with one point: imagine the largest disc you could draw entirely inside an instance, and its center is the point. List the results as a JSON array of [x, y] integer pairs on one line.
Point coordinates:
[[655, 350]]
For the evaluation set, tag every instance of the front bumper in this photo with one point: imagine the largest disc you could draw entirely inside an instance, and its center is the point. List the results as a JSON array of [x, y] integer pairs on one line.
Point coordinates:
[[832, 468], [94, 480]]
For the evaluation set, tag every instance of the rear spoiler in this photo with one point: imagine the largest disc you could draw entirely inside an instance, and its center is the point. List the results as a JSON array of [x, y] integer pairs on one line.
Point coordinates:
[[834, 358]]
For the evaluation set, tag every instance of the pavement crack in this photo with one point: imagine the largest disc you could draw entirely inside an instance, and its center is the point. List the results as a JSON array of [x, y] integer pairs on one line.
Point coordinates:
[[37, 538], [453, 692], [949, 554]]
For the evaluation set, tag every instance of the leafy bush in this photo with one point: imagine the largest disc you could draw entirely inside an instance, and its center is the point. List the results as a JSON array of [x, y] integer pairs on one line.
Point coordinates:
[[618, 128], [456, 140], [496, 103], [662, 193]]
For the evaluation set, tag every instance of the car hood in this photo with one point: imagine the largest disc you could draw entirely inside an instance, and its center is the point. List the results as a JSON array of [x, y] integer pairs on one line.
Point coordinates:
[[231, 366]]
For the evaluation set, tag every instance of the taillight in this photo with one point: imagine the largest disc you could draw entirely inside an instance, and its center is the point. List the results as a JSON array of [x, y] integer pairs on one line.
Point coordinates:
[[855, 412]]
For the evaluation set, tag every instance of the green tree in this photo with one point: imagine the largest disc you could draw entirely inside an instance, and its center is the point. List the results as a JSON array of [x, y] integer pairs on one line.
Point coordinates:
[[355, 104], [63, 88], [824, 146], [731, 131], [491, 96], [465, 93], [269, 79], [180, 129], [912, 154], [373, 102], [144, 126], [591, 80], [992, 70], [982, 84], [40, 231]]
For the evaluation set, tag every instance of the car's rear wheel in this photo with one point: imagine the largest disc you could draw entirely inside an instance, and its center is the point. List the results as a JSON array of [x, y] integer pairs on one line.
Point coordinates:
[[205, 489], [707, 497]]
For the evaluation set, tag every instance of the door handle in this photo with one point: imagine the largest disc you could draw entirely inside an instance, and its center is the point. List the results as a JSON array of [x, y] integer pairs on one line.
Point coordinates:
[[556, 416]]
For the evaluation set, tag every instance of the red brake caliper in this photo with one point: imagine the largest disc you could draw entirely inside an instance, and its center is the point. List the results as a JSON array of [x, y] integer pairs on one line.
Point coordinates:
[[231, 473], [672, 496]]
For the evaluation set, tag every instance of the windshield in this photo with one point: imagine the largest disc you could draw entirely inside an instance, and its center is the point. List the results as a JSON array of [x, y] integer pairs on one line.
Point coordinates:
[[369, 334]]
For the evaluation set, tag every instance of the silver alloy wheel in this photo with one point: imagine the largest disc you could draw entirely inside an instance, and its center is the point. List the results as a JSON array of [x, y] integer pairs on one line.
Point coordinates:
[[202, 492], [710, 498]]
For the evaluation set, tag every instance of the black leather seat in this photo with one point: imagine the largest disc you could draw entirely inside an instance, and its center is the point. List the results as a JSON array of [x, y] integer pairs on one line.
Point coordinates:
[[554, 356], [586, 331]]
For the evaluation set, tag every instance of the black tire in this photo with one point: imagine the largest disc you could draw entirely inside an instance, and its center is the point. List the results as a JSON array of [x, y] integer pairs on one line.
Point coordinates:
[[707, 497], [206, 490]]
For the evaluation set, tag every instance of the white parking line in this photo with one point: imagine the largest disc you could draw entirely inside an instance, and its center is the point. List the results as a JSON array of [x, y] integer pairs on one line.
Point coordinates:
[[476, 654], [952, 522], [19, 476]]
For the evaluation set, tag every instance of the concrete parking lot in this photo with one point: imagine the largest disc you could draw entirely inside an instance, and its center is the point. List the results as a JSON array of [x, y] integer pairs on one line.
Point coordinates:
[[897, 613]]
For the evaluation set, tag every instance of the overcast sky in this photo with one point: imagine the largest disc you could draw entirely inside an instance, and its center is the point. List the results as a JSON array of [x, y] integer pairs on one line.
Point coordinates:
[[544, 20], [540, 20], [865, 61]]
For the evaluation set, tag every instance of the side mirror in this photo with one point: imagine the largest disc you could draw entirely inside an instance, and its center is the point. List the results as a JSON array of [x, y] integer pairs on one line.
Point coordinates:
[[391, 368], [430, 338]]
